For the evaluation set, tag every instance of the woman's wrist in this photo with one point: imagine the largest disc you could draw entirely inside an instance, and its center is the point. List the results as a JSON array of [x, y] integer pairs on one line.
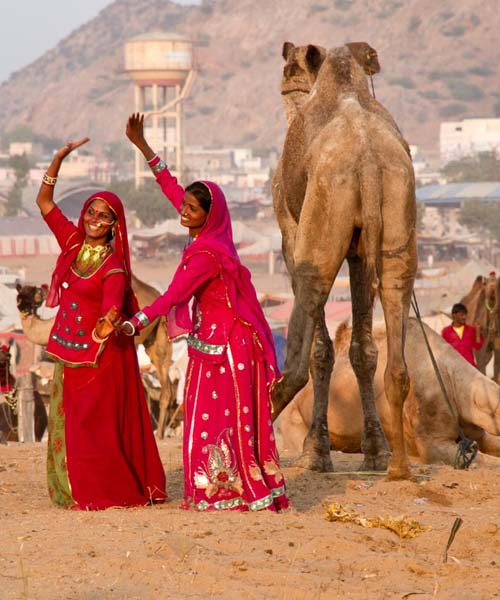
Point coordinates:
[[156, 164], [53, 168], [128, 328]]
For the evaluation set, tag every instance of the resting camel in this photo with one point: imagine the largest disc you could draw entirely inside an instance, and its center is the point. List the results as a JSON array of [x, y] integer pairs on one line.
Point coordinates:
[[483, 305], [429, 425], [345, 189], [154, 337]]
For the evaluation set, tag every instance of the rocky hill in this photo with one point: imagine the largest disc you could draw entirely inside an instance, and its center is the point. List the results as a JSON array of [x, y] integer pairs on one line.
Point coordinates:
[[440, 61]]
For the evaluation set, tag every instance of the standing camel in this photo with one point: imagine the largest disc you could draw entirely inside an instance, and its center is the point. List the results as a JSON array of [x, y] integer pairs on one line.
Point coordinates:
[[154, 337], [345, 189]]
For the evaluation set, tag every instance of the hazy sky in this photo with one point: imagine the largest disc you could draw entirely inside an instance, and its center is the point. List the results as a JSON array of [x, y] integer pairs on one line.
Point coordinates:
[[30, 27]]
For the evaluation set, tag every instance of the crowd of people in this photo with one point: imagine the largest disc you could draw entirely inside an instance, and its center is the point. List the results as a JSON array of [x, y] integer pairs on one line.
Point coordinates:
[[101, 448]]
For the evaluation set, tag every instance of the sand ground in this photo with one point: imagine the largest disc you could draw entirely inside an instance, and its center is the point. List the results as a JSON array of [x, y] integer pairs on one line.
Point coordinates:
[[166, 552]]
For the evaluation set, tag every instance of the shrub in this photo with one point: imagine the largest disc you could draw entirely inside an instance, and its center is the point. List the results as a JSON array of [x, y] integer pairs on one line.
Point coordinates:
[[462, 90], [343, 4], [405, 82], [430, 95], [317, 8], [414, 23], [481, 71], [206, 110], [450, 110], [444, 75], [456, 31]]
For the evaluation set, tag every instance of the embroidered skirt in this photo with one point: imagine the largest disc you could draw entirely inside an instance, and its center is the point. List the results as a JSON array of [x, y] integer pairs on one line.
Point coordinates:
[[230, 455]]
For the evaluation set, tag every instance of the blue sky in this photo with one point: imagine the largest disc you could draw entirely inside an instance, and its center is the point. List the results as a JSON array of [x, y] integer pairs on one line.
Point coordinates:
[[28, 28]]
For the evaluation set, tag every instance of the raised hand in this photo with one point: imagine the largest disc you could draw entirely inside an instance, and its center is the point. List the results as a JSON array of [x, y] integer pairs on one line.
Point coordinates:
[[135, 128], [135, 133], [69, 147]]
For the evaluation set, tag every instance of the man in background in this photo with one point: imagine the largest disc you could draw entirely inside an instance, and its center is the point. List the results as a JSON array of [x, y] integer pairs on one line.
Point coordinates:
[[464, 338]]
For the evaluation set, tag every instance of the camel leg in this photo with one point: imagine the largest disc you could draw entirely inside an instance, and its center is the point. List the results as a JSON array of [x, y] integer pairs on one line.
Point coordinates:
[[483, 356], [301, 330], [396, 304], [363, 357], [496, 363], [316, 448]]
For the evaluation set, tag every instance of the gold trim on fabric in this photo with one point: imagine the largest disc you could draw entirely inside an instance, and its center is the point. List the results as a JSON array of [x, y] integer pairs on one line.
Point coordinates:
[[68, 363], [206, 348], [238, 417], [191, 430], [113, 271]]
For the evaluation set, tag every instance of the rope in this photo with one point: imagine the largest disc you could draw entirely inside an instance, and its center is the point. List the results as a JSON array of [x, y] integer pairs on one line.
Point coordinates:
[[467, 448], [373, 88]]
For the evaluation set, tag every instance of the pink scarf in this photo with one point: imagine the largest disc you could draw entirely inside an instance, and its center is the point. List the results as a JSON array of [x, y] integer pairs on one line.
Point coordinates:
[[216, 237], [75, 241]]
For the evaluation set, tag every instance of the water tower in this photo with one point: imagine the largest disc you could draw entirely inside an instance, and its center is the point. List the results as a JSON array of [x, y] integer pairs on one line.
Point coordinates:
[[161, 65]]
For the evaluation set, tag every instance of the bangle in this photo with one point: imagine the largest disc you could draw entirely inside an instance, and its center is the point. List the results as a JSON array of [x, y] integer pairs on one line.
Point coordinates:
[[156, 164], [131, 325], [48, 179], [97, 338]]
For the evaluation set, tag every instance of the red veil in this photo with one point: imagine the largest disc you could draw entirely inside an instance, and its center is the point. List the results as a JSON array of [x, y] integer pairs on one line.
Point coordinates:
[[75, 241]]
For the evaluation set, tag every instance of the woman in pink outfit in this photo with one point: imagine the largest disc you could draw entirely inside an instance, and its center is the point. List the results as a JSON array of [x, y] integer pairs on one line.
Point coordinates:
[[230, 456]]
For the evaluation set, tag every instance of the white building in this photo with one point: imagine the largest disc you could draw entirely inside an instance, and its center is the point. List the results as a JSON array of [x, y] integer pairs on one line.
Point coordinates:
[[458, 139]]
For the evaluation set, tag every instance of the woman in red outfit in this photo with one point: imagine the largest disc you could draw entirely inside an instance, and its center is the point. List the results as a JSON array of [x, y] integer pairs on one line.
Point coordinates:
[[101, 449], [230, 456]]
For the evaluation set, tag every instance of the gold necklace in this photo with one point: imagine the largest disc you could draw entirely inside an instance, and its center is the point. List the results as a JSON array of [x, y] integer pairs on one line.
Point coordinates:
[[90, 257]]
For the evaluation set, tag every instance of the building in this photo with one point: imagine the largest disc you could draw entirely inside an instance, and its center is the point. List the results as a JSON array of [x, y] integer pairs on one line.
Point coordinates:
[[442, 235], [458, 139], [28, 148], [236, 167]]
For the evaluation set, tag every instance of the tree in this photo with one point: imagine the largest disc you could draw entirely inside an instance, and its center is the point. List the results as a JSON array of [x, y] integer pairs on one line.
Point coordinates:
[[21, 166], [484, 166], [149, 203], [481, 217]]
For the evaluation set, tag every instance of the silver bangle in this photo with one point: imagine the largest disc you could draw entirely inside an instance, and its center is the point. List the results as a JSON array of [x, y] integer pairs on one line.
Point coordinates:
[[131, 325]]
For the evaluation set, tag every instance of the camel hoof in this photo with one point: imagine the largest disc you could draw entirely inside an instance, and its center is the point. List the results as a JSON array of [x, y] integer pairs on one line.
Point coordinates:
[[380, 462], [315, 462], [399, 474]]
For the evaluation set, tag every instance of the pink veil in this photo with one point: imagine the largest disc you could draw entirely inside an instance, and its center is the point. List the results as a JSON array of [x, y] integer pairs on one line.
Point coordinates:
[[216, 237]]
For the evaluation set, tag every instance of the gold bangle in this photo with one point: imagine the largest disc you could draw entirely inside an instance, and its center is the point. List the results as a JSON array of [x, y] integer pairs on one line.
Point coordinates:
[[97, 339], [48, 179]]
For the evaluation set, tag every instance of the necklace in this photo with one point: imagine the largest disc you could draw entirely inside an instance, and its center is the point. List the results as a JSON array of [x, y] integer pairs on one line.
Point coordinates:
[[89, 258]]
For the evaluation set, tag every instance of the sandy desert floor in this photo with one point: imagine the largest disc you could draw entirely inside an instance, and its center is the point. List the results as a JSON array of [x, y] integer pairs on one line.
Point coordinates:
[[166, 552]]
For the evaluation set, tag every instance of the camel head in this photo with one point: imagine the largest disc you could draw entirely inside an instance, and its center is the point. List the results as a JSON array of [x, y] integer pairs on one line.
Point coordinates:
[[366, 57], [302, 64], [341, 78], [30, 298]]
